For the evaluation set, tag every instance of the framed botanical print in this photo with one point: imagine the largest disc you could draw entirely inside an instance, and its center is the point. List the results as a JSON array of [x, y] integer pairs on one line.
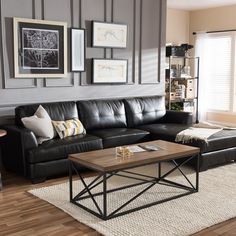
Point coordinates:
[[77, 49], [40, 48], [110, 35], [110, 71]]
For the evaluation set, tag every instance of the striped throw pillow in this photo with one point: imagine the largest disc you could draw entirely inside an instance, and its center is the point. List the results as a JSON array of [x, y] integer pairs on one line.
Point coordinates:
[[69, 127]]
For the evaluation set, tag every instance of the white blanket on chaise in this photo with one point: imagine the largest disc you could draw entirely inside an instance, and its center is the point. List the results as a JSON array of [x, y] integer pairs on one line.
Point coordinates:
[[201, 131], [193, 133]]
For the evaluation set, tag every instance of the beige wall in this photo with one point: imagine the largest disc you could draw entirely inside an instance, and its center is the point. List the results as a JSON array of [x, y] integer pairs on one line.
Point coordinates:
[[220, 18], [181, 24], [177, 26]]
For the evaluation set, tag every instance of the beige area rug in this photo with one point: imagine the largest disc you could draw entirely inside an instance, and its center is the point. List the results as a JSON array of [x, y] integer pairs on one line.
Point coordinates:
[[214, 203]]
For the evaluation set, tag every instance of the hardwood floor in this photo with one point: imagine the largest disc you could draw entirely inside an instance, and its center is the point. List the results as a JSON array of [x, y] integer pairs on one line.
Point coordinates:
[[22, 214]]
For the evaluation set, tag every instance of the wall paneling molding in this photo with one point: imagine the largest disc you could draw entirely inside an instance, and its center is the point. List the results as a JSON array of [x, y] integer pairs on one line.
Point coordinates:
[[145, 50]]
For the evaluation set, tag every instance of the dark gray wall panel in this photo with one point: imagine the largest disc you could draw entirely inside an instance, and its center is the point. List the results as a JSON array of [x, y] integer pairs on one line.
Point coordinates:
[[150, 41], [63, 12], [79, 13], [162, 35], [98, 13], [126, 15], [11, 8]]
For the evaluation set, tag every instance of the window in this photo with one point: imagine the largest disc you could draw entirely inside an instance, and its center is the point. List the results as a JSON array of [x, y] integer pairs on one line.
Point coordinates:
[[220, 72], [217, 72]]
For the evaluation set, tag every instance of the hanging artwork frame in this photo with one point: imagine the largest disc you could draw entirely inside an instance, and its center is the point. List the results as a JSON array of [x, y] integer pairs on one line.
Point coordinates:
[[109, 35], [77, 49], [40, 48], [110, 71]]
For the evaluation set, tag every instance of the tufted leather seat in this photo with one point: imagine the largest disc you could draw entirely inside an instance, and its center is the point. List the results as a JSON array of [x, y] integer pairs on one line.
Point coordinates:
[[107, 120], [100, 114], [56, 149], [147, 110], [109, 123], [56, 110], [165, 131], [120, 136]]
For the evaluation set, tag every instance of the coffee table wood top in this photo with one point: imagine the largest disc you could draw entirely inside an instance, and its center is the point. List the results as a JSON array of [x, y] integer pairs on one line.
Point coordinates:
[[105, 160]]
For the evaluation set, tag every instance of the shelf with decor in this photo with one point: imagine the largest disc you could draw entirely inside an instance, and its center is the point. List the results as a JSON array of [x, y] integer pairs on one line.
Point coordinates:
[[182, 83]]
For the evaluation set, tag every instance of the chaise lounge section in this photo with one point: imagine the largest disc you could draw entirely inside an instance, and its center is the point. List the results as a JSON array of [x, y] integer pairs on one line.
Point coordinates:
[[108, 123]]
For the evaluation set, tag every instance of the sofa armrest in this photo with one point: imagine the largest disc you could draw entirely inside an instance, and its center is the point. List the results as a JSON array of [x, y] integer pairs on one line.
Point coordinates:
[[179, 117], [15, 144]]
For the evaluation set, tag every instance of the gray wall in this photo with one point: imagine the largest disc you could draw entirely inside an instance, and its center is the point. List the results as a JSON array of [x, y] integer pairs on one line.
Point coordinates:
[[145, 51]]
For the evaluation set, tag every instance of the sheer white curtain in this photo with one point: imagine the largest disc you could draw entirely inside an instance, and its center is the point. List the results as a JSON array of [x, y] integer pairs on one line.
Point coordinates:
[[200, 51], [216, 80]]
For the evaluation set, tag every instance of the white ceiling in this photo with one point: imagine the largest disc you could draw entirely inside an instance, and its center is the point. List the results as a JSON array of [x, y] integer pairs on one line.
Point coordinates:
[[198, 4]]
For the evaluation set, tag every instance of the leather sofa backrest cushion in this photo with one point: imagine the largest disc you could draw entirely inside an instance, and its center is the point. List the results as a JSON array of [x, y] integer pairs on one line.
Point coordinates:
[[145, 110], [100, 114], [56, 111]]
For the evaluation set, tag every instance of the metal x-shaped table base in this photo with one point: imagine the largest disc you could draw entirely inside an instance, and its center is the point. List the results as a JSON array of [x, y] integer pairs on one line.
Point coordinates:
[[102, 178]]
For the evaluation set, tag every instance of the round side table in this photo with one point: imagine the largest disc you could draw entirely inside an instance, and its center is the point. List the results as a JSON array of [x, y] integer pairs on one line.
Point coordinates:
[[2, 133]]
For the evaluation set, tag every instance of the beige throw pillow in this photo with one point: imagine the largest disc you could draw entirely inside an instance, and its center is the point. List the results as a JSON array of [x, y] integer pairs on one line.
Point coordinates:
[[40, 124]]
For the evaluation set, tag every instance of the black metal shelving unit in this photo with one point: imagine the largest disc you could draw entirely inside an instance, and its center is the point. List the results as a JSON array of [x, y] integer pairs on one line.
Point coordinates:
[[183, 62]]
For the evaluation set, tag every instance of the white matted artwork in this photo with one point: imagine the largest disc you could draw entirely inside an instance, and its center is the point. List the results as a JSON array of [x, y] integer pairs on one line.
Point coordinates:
[[111, 35], [40, 48], [77, 49], [107, 71]]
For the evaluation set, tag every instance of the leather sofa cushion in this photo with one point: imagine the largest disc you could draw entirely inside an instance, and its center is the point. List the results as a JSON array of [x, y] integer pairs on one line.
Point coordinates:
[[165, 131], [220, 140], [56, 149], [168, 131], [100, 114], [120, 136], [56, 111], [177, 117], [146, 110]]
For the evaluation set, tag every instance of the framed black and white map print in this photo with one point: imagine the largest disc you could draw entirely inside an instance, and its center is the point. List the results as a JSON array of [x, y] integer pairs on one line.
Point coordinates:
[[40, 48]]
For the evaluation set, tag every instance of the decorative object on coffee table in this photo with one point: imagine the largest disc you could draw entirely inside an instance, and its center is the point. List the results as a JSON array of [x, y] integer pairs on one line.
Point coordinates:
[[2, 133], [123, 152], [40, 48], [105, 163]]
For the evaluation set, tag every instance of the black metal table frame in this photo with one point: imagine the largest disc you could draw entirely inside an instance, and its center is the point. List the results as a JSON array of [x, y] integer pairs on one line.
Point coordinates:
[[144, 179]]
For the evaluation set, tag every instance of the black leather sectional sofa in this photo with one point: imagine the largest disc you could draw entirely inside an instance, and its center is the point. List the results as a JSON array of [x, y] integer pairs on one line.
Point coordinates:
[[108, 123]]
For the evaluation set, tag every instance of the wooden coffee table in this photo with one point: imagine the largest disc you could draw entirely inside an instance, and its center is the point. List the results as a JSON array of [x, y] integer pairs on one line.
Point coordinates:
[[107, 165]]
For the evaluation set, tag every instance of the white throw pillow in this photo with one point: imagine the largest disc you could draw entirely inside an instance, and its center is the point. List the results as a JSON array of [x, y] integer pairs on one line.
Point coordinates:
[[42, 113], [41, 125]]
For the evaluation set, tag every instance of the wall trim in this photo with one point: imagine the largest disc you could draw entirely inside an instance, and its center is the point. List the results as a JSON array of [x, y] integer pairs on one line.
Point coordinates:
[[71, 79], [3, 56], [159, 44]]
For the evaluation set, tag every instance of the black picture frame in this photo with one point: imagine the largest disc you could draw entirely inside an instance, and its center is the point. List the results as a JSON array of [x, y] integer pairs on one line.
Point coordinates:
[[109, 35], [109, 71], [40, 48], [78, 49]]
